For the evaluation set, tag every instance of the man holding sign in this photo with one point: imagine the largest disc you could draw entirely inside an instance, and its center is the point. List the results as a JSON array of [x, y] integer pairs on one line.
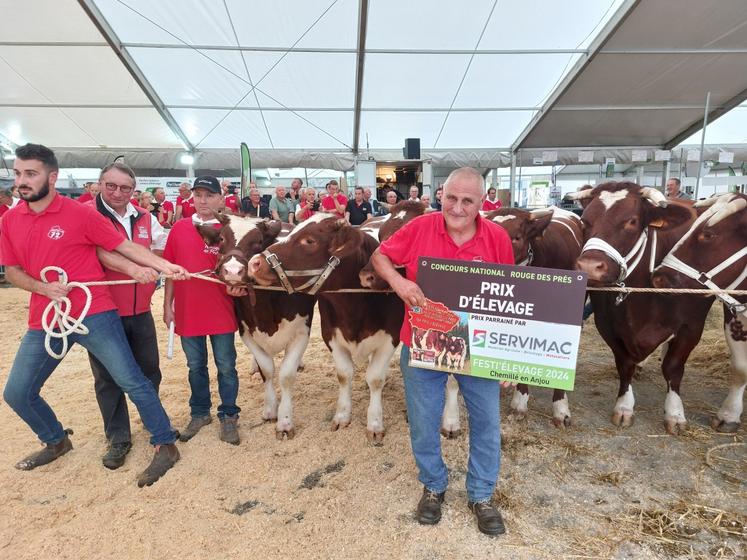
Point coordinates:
[[458, 232]]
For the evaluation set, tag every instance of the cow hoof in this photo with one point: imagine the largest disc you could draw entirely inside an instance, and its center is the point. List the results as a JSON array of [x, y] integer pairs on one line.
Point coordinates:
[[451, 433], [269, 417], [623, 418], [285, 434], [339, 423], [518, 415], [564, 422], [675, 426], [375, 438], [723, 426]]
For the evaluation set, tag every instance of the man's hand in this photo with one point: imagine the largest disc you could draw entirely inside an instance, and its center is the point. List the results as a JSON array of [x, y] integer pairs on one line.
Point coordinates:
[[168, 315], [507, 384], [175, 271], [143, 274], [54, 290], [236, 291], [409, 292]]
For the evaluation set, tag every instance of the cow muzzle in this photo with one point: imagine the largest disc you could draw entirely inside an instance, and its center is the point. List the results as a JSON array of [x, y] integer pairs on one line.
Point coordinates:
[[599, 268]]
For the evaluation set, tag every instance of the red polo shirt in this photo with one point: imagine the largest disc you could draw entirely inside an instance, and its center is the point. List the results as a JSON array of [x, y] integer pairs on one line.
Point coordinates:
[[488, 206], [200, 307], [426, 236], [65, 234], [232, 203], [188, 206], [167, 207], [329, 204], [85, 197]]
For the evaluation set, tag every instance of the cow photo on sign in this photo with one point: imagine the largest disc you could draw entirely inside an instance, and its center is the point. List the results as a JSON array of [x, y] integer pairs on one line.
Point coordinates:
[[443, 348]]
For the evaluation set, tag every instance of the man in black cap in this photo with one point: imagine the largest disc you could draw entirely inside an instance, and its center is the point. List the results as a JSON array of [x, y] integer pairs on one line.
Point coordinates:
[[200, 310]]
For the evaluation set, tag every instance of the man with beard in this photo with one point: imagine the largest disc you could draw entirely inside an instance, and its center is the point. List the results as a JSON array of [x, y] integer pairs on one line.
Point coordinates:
[[52, 230]]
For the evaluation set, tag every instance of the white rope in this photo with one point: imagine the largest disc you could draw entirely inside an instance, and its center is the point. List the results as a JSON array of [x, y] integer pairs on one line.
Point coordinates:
[[61, 317]]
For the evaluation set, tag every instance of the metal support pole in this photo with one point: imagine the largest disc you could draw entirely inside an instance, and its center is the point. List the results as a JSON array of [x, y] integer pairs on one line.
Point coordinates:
[[518, 185], [702, 143], [512, 180], [666, 170]]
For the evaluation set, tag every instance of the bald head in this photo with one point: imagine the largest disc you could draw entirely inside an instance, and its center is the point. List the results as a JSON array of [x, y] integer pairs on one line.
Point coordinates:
[[466, 176]]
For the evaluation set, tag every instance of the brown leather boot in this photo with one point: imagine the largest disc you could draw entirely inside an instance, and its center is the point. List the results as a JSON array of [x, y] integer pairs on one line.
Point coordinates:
[[46, 455], [165, 457], [489, 519], [429, 507]]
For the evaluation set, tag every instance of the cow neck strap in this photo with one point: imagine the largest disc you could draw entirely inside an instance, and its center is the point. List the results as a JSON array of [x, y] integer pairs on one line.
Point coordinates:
[[706, 278], [318, 275], [530, 256], [568, 227], [629, 262]]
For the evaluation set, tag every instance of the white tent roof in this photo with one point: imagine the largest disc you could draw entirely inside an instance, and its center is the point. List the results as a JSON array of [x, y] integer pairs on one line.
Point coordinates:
[[315, 81]]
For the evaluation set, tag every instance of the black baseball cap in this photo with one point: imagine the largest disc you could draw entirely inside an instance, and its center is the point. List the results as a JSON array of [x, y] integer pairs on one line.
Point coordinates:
[[207, 182]]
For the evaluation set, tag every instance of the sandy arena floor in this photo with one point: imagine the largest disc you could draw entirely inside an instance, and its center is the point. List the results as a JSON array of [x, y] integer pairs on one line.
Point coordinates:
[[592, 491]]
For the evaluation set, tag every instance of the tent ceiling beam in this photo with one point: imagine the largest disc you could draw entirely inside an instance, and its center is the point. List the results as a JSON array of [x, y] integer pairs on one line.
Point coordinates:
[[108, 33], [53, 44], [712, 115], [360, 64], [347, 50], [596, 46]]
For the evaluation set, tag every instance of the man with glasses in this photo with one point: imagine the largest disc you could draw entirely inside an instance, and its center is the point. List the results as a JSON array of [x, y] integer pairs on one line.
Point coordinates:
[[133, 304], [52, 230]]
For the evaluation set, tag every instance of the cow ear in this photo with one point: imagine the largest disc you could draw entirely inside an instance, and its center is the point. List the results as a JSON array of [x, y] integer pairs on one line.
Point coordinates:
[[537, 223], [272, 227], [209, 234], [345, 240], [672, 216], [222, 218]]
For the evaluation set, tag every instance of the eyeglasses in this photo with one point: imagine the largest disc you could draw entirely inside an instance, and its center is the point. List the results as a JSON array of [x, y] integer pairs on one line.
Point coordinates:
[[124, 189]]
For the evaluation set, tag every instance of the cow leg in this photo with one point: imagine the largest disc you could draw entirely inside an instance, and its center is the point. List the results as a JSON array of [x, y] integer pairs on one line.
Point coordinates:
[[450, 422], [622, 414], [266, 366], [520, 402], [287, 378], [673, 367], [728, 416], [378, 364], [345, 371], [561, 413]]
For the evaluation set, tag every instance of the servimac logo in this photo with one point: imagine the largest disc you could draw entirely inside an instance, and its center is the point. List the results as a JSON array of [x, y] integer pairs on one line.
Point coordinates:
[[533, 343], [478, 338]]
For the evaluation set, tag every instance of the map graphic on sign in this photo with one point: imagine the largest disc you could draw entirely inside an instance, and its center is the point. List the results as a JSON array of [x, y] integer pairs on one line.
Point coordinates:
[[500, 322]]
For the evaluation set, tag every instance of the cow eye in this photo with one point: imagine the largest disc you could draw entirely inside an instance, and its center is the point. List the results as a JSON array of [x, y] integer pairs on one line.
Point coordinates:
[[633, 221], [308, 241], [706, 235]]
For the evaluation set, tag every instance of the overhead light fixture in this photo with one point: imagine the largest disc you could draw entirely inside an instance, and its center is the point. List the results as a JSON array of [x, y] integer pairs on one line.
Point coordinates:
[[187, 159]]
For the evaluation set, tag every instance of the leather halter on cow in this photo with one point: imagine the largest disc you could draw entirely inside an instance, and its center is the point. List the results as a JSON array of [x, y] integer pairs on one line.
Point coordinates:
[[616, 215], [711, 255]]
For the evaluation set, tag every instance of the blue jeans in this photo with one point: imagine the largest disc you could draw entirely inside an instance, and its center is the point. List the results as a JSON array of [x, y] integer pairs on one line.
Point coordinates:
[[108, 343], [425, 394], [224, 354]]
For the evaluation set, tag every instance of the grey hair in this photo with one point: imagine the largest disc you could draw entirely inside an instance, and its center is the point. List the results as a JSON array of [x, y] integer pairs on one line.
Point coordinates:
[[466, 173]]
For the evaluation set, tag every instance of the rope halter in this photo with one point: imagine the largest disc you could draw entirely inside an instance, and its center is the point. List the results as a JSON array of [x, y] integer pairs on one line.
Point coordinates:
[[317, 275], [629, 262]]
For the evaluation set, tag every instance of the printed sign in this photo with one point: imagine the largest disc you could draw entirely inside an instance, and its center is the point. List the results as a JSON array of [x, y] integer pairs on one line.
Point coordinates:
[[500, 322]]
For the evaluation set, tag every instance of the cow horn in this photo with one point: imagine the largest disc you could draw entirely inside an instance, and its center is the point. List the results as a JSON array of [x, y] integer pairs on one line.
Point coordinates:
[[579, 195], [654, 197], [727, 210], [720, 198]]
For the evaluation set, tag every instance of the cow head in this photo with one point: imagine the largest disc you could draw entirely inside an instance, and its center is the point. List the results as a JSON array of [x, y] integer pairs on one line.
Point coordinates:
[[522, 227], [238, 239], [388, 225], [719, 233], [310, 246], [617, 218]]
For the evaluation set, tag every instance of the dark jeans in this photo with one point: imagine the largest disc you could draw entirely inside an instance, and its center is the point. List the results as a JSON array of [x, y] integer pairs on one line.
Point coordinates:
[[140, 331], [224, 354], [33, 366]]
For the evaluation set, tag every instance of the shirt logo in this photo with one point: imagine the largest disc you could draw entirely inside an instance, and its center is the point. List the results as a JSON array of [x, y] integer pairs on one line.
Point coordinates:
[[55, 232], [211, 250], [477, 258], [142, 232]]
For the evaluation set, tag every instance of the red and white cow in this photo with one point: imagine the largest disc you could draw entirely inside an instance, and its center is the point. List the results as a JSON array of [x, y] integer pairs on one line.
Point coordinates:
[[327, 254], [456, 353], [628, 231], [270, 322], [548, 238], [712, 255]]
